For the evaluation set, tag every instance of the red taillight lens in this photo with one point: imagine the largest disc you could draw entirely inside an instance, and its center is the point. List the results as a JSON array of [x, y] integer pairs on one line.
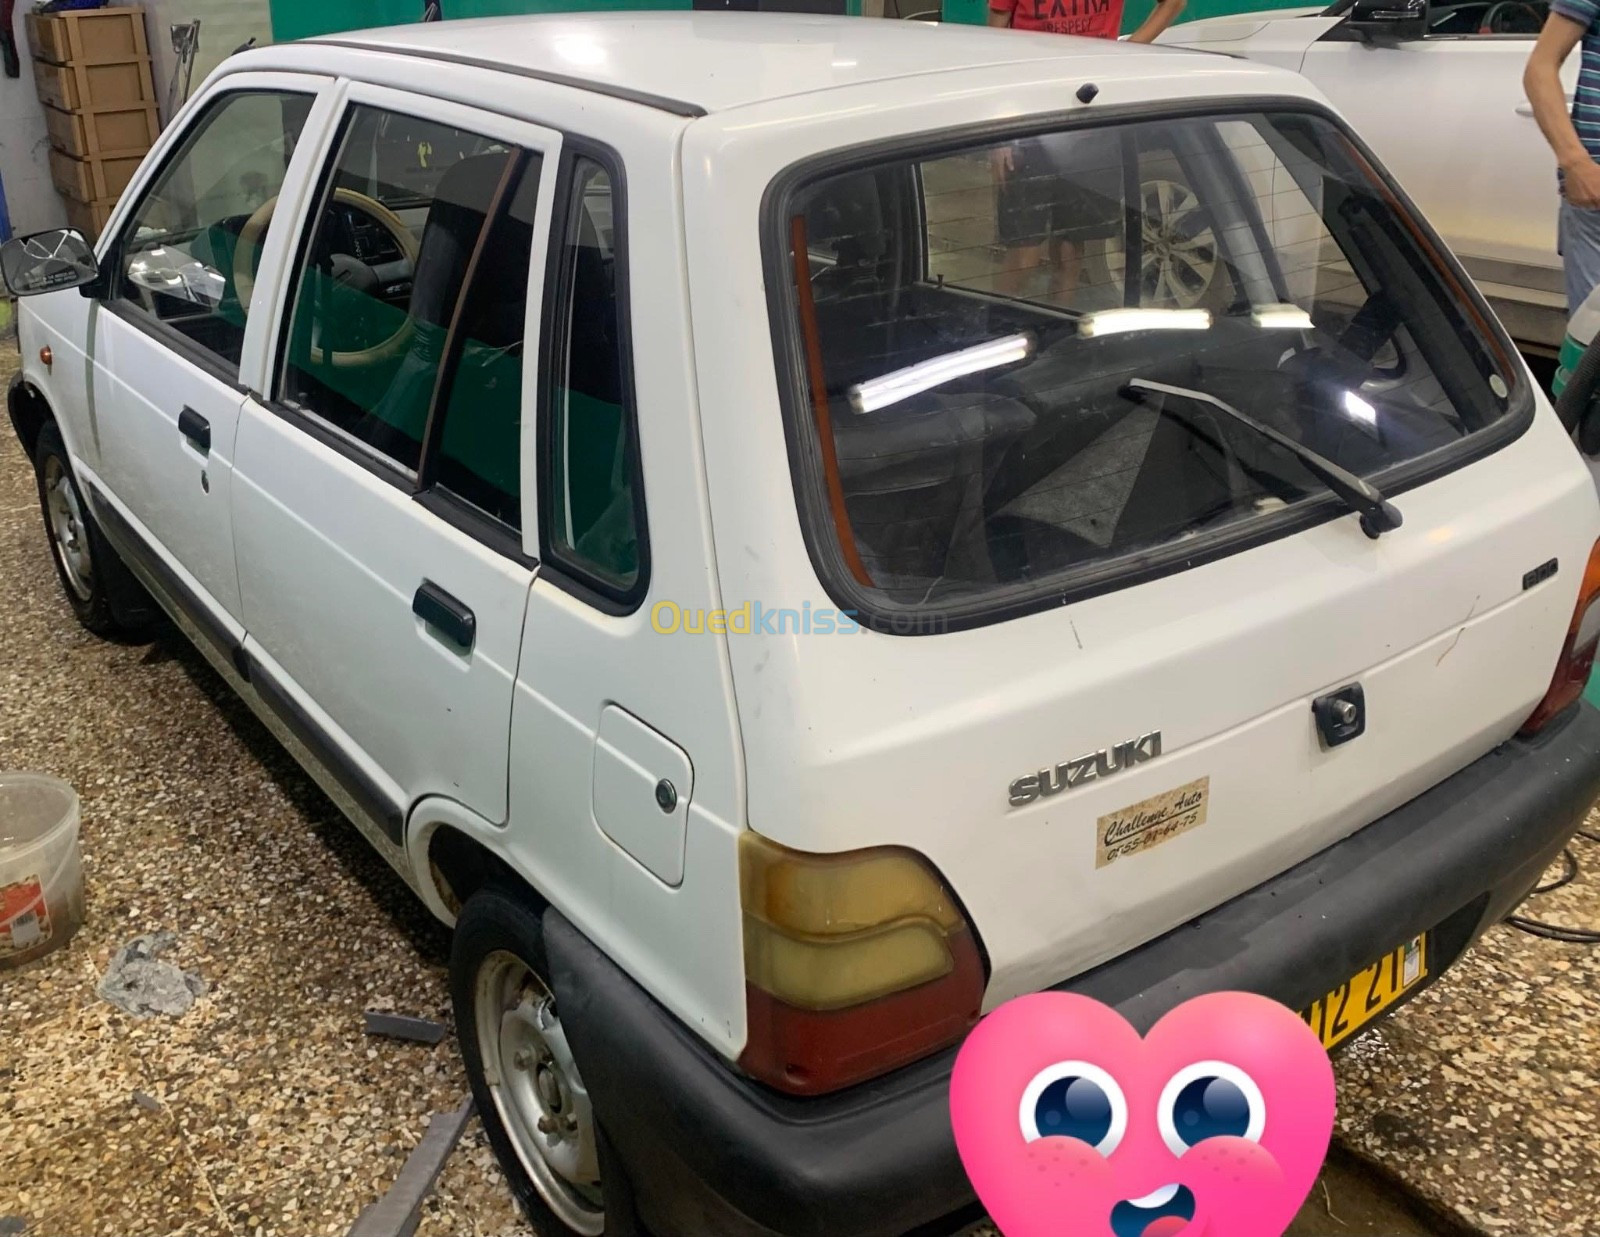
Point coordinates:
[[1577, 654], [855, 963]]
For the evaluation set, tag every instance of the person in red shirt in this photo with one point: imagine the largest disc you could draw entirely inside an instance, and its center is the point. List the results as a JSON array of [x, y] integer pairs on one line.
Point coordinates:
[[1054, 194], [1095, 19]]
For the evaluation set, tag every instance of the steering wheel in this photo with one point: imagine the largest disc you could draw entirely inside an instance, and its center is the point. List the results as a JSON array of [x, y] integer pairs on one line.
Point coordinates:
[[1491, 19], [249, 243]]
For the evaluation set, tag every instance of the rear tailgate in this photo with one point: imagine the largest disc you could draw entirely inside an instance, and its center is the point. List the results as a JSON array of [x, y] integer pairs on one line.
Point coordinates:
[[881, 739]]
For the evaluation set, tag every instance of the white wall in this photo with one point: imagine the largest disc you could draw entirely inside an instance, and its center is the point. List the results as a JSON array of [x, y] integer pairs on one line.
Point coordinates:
[[24, 167], [224, 24]]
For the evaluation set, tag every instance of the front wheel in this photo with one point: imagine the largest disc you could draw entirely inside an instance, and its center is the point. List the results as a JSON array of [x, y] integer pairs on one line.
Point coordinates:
[[530, 1096], [87, 566]]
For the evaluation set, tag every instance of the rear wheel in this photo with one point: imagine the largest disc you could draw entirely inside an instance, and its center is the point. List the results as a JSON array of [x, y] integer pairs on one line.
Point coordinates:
[[87, 566], [530, 1096]]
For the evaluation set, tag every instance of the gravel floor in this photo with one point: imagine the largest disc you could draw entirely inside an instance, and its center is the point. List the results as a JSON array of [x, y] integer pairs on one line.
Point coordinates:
[[273, 1113], [265, 1110]]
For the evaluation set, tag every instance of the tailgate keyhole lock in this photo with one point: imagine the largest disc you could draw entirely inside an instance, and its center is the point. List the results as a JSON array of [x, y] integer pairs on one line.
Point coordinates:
[[1341, 715]]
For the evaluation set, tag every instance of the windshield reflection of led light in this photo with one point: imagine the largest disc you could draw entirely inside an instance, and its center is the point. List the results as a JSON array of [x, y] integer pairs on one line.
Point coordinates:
[[1116, 321], [902, 384], [1281, 318], [1357, 409]]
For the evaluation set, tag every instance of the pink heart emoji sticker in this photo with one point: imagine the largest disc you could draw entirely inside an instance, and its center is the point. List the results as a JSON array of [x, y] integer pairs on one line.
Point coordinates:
[[1213, 1125]]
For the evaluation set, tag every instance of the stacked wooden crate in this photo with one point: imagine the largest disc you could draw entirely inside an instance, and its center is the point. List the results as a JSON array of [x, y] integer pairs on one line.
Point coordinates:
[[92, 67]]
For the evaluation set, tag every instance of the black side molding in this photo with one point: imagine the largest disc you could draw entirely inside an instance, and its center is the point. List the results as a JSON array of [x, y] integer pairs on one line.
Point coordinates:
[[134, 549], [378, 805], [388, 813]]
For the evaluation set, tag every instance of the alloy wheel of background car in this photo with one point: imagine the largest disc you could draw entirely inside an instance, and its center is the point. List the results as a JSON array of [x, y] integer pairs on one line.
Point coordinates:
[[1178, 250]]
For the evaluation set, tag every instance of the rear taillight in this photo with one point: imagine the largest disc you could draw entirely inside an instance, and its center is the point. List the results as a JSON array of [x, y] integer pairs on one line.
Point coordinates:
[[1577, 654], [855, 963]]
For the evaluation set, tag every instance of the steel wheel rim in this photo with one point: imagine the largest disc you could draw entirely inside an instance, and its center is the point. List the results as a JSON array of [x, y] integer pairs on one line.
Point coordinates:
[[537, 1092], [69, 534]]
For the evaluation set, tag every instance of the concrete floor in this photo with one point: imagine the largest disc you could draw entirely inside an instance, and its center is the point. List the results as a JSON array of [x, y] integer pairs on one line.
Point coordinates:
[[266, 1110]]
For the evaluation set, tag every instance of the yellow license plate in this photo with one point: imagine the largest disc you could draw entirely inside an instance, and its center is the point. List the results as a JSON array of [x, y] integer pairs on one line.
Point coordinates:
[[1367, 993]]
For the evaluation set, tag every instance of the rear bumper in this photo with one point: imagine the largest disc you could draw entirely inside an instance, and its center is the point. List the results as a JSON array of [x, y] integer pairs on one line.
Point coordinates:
[[710, 1152]]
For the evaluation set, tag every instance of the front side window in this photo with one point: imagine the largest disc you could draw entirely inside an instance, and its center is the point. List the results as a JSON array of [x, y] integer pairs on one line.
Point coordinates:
[[189, 255], [380, 276], [1023, 364], [592, 503]]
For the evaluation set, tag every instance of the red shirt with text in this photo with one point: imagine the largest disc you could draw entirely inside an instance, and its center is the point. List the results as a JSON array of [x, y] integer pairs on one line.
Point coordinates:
[[1096, 19]]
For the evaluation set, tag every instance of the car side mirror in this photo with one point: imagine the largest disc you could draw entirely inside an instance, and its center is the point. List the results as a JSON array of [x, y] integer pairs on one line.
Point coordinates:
[[1387, 22], [48, 262]]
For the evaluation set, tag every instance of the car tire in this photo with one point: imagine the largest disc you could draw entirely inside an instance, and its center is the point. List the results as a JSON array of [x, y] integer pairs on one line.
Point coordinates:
[[1578, 406], [102, 592], [522, 1073]]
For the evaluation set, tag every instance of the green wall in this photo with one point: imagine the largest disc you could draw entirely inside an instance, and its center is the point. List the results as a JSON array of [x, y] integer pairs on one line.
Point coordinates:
[[297, 19]]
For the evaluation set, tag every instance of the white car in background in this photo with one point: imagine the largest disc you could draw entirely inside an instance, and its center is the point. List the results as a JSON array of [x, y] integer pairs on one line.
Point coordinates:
[[1436, 90]]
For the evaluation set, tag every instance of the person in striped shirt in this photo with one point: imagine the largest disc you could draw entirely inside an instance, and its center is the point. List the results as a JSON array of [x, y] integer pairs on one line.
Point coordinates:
[[1574, 135]]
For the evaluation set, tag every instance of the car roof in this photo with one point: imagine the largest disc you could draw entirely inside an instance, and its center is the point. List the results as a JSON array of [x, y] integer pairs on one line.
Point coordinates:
[[696, 63]]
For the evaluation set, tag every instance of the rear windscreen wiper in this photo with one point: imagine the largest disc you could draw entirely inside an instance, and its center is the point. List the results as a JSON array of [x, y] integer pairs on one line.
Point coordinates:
[[1378, 514]]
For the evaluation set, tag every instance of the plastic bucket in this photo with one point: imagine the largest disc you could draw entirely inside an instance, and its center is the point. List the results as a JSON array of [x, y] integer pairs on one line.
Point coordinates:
[[41, 873]]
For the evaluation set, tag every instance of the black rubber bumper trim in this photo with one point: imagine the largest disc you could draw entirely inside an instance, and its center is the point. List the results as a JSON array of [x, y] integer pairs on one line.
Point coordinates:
[[710, 1152]]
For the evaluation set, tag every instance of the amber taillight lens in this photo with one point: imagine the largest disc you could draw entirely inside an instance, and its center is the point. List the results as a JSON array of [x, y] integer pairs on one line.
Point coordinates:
[[1577, 653], [855, 963]]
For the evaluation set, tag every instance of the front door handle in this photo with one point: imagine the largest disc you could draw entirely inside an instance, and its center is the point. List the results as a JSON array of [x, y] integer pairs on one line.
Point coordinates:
[[195, 428], [445, 614]]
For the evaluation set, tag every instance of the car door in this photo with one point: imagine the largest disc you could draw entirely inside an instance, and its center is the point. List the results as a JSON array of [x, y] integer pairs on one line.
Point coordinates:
[[1448, 116], [171, 332], [378, 504]]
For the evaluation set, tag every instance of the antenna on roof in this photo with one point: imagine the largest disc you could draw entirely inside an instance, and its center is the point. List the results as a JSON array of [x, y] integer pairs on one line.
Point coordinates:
[[432, 12]]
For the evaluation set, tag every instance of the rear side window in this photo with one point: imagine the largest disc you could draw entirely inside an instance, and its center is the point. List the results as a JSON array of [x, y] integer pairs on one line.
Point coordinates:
[[479, 454], [593, 503], [970, 335], [406, 347], [382, 272]]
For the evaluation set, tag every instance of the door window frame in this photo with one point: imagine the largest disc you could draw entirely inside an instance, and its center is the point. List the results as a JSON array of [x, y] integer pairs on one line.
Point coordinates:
[[567, 571], [548, 144], [167, 149]]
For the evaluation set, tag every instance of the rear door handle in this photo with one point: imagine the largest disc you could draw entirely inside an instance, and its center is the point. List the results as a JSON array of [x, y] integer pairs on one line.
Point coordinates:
[[445, 614], [195, 428]]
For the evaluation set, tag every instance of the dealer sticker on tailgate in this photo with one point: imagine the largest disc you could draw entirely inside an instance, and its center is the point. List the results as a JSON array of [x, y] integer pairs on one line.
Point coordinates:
[[1150, 822]]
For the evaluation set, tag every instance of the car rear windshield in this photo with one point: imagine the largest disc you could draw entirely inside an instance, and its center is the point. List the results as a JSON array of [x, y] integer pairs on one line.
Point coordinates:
[[960, 328]]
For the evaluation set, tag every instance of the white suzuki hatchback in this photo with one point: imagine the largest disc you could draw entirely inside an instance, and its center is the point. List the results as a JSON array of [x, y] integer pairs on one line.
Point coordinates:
[[790, 532]]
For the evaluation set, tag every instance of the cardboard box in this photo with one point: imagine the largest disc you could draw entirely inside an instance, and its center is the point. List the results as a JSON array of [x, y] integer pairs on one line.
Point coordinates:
[[92, 180], [88, 36], [89, 217], [98, 134], [95, 88]]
